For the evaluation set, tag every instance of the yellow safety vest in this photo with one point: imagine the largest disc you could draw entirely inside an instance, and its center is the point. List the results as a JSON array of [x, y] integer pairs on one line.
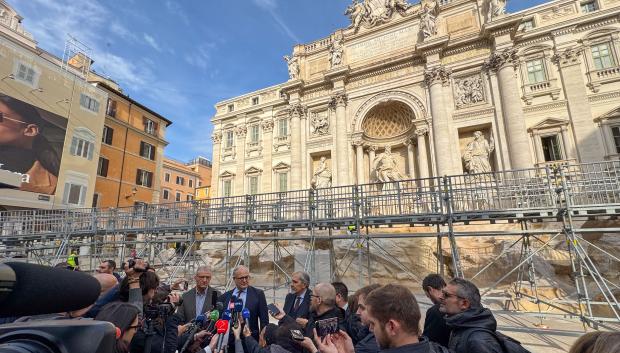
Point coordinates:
[[71, 260]]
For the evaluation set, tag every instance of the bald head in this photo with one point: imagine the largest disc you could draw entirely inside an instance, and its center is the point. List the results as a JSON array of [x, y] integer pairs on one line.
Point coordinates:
[[327, 292], [107, 281]]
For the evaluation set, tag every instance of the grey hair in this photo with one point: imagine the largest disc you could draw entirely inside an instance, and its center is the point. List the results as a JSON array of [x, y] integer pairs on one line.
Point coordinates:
[[234, 272], [204, 269], [467, 290], [327, 292], [303, 276]]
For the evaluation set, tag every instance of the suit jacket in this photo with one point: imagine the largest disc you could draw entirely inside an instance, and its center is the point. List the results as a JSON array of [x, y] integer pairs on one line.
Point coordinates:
[[187, 310], [304, 307], [257, 304]]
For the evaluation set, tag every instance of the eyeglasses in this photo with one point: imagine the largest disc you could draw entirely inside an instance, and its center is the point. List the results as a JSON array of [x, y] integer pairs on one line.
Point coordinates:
[[2, 117], [448, 295], [244, 278], [315, 296]]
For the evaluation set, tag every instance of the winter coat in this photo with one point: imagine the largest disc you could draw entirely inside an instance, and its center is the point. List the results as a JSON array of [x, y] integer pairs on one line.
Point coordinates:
[[478, 341]]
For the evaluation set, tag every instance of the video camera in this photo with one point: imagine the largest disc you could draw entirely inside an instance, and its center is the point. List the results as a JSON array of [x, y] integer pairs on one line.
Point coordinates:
[[161, 310]]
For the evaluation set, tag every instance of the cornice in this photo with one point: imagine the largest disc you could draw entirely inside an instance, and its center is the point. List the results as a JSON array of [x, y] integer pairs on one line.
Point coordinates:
[[474, 113], [603, 96], [543, 107]]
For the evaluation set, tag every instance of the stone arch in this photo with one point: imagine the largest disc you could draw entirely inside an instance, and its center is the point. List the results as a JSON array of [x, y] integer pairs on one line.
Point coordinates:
[[412, 101]]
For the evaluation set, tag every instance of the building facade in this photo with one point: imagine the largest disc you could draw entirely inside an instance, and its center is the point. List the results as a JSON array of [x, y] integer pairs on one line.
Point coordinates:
[[203, 167], [51, 121], [185, 181], [129, 170], [431, 89]]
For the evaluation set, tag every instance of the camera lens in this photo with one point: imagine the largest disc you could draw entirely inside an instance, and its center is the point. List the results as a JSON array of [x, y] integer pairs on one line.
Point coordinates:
[[25, 346]]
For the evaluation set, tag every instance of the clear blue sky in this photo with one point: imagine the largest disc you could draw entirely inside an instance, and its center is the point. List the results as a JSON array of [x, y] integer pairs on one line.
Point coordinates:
[[180, 57]]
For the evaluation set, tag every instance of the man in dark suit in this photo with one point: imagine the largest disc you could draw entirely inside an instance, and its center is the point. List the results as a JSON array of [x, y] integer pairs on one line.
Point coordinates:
[[253, 299], [200, 299], [297, 302]]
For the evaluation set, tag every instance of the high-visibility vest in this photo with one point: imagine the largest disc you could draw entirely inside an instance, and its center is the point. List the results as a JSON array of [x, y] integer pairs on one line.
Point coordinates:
[[71, 260], [351, 228]]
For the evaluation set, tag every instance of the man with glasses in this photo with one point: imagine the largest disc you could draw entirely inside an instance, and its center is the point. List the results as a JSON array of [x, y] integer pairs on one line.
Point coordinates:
[[253, 299], [435, 328], [199, 299], [473, 327]]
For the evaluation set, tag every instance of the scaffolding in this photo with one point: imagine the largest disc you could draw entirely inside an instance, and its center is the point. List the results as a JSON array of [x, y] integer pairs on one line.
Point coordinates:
[[549, 210]]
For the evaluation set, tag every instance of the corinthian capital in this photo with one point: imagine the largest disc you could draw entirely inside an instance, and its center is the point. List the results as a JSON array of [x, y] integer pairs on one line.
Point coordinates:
[[267, 125], [241, 130], [297, 110], [216, 137], [421, 131], [437, 74], [567, 57], [338, 100], [502, 58]]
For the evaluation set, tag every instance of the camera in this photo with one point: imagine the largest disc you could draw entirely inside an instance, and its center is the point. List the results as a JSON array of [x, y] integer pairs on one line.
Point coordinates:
[[131, 263], [160, 310]]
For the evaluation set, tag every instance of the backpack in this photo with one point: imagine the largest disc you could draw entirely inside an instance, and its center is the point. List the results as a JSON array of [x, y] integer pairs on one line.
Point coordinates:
[[508, 344]]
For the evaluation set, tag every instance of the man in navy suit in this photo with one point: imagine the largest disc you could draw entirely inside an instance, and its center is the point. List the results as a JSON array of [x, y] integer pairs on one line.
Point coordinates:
[[253, 299], [297, 302]]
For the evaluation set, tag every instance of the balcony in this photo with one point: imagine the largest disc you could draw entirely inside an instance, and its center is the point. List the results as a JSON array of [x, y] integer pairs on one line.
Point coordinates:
[[539, 89], [603, 76]]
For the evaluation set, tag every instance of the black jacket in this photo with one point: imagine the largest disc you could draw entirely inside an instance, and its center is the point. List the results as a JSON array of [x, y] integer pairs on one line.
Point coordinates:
[[313, 318], [355, 329], [164, 339], [424, 346], [304, 308], [257, 304], [435, 328], [367, 344], [478, 341]]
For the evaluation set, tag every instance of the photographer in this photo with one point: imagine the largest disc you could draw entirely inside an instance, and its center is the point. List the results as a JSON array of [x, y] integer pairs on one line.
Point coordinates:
[[124, 317]]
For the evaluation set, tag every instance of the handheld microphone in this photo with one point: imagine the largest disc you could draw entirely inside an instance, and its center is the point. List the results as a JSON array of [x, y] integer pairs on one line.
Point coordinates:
[[231, 304], [219, 306], [194, 326], [245, 314], [222, 328], [28, 289], [214, 315], [226, 315], [236, 311]]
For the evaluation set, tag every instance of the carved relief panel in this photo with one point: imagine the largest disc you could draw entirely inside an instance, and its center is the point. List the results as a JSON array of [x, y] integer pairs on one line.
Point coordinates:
[[468, 91]]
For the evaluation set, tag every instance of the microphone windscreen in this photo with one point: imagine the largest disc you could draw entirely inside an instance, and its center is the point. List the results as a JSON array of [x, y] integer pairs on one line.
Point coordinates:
[[245, 313], [200, 319], [226, 315], [219, 306], [46, 290], [221, 326], [214, 315], [238, 305]]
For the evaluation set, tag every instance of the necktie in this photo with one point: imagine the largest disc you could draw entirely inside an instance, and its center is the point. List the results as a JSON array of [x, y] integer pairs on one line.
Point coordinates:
[[297, 303]]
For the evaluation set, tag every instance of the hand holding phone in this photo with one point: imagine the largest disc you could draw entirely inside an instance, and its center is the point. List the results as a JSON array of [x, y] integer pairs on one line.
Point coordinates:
[[273, 310]]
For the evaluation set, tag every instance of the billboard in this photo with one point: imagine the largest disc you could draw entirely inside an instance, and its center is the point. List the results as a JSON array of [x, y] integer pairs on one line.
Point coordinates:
[[31, 143]]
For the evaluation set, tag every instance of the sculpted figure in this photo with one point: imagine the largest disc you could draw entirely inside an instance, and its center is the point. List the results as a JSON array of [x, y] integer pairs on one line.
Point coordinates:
[[386, 167], [399, 5], [496, 8], [477, 154], [356, 12], [335, 53], [428, 19], [320, 124], [293, 66], [322, 177], [469, 91]]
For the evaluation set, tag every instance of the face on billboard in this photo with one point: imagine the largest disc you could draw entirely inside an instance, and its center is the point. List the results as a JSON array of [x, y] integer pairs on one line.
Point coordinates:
[[31, 142]]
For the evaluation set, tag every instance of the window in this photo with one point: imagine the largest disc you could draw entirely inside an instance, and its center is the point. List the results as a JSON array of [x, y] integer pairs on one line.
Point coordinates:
[[180, 181], [167, 177], [108, 135], [230, 138], [189, 197], [111, 108], [283, 182], [602, 56], [199, 183], [551, 148], [82, 148], [166, 194], [227, 188], [231, 108], [254, 133], [253, 185], [89, 103], [177, 198], [147, 150], [144, 178], [102, 167], [150, 127], [191, 183], [615, 133], [26, 74], [536, 71], [255, 101], [95, 200], [75, 194], [589, 6], [282, 128]]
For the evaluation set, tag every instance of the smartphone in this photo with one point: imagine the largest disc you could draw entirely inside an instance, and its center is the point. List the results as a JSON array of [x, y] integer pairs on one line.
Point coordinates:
[[326, 327], [273, 309], [185, 285], [297, 335]]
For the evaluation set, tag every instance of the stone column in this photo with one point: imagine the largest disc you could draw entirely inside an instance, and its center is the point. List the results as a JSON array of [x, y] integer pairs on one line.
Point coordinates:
[[589, 146], [371, 159], [215, 171], [267, 126], [241, 132], [410, 158], [339, 104], [435, 78], [422, 155], [503, 62], [359, 160], [296, 111]]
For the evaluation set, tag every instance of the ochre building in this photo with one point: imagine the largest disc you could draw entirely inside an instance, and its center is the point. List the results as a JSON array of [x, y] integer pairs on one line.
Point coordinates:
[[185, 181], [429, 89]]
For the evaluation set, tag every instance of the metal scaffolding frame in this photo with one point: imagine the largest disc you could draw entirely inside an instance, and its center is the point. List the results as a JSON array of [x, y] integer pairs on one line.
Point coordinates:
[[561, 196]]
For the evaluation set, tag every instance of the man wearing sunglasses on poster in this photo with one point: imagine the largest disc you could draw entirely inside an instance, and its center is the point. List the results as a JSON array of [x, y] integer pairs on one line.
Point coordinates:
[[24, 149]]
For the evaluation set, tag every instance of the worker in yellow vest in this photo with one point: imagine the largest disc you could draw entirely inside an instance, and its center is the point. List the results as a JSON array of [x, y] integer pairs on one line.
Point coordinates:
[[73, 260]]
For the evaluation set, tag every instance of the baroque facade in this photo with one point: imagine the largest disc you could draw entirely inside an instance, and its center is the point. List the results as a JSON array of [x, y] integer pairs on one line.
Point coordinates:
[[429, 89]]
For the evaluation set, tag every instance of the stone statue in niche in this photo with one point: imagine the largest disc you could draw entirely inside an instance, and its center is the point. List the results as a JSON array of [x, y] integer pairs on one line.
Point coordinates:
[[428, 18], [469, 91], [322, 177], [386, 167], [477, 154], [320, 124], [496, 9], [293, 66], [335, 53]]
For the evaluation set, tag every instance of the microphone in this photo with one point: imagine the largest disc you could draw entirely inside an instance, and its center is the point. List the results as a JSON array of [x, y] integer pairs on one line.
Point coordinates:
[[194, 326], [214, 315], [237, 310], [28, 289], [226, 315], [245, 314], [231, 304], [219, 306], [222, 328]]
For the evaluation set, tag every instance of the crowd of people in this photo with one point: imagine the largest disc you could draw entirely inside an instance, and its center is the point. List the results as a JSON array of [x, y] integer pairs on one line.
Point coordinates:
[[150, 316]]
